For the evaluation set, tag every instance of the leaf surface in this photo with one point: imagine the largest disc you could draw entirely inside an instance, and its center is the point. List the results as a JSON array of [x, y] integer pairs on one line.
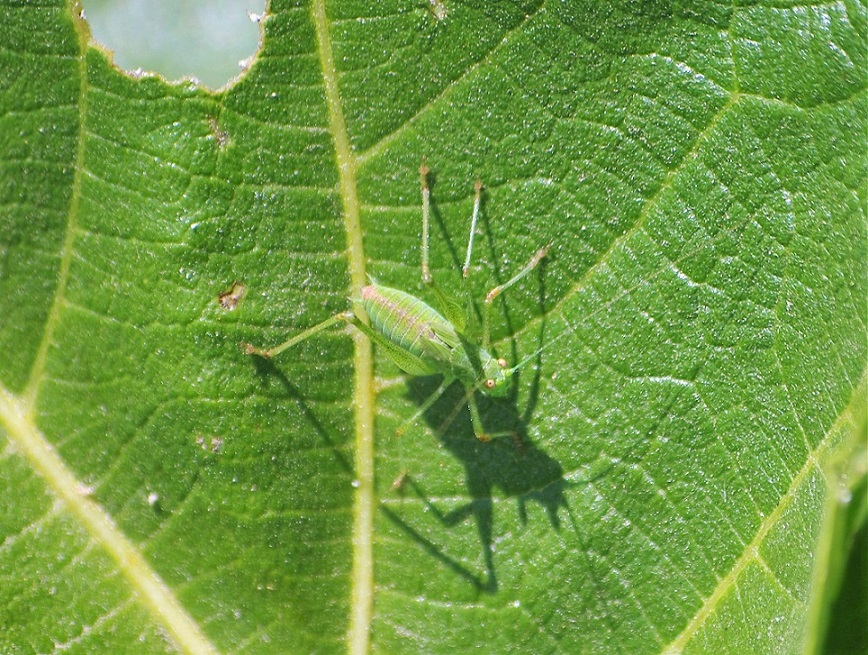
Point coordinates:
[[692, 351]]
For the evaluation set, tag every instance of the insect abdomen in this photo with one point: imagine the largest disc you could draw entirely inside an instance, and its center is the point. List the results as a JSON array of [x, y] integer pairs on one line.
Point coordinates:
[[403, 319]]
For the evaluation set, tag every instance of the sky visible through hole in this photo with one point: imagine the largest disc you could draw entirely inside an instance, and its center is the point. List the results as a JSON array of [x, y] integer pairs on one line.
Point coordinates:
[[177, 39]]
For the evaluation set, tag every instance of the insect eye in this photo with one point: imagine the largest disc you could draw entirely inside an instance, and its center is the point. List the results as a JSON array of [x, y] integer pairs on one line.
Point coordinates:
[[489, 384], [502, 362]]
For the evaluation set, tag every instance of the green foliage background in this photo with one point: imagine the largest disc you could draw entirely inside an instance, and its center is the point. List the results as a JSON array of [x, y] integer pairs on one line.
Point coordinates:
[[698, 400]]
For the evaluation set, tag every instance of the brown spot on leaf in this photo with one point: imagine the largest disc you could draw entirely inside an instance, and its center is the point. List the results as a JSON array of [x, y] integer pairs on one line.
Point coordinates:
[[230, 298]]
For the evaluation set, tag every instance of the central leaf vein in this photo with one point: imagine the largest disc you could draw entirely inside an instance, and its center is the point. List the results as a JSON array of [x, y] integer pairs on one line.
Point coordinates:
[[363, 513]]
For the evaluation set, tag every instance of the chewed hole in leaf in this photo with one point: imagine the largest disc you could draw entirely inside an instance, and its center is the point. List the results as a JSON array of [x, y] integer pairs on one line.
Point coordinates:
[[209, 41]]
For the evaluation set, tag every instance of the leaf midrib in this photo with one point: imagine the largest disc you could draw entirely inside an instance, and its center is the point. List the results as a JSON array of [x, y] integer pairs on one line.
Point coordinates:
[[362, 581]]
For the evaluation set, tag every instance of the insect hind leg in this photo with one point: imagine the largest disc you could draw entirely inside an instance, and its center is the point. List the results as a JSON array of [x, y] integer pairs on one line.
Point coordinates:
[[474, 219], [268, 353], [426, 212]]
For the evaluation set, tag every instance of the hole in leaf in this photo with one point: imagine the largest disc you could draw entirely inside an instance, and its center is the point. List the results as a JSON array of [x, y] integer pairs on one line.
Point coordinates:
[[203, 40]]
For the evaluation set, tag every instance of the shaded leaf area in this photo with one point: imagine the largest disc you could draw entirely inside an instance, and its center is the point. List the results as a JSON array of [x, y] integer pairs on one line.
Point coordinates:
[[691, 351]]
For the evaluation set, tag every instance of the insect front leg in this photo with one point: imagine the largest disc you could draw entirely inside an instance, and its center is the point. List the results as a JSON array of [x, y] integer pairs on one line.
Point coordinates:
[[496, 291], [475, 417], [268, 353]]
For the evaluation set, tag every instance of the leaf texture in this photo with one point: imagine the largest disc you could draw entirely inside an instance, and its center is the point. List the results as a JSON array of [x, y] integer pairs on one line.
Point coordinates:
[[692, 352]]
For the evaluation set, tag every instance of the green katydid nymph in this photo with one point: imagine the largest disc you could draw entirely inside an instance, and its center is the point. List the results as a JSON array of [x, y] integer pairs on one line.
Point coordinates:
[[421, 340]]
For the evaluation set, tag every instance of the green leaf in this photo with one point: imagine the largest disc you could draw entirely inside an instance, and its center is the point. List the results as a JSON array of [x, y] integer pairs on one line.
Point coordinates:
[[700, 319], [840, 592]]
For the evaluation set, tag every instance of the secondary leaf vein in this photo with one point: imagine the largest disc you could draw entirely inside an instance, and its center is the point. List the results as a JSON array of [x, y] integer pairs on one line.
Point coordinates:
[[751, 551], [50, 466]]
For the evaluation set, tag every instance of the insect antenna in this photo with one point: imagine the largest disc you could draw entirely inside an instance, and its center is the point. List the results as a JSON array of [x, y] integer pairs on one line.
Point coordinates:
[[461, 404], [533, 355], [540, 350], [425, 406]]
